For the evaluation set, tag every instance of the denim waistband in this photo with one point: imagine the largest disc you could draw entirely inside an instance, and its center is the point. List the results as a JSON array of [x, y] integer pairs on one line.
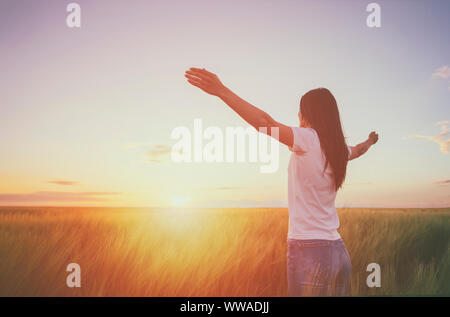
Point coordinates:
[[315, 242]]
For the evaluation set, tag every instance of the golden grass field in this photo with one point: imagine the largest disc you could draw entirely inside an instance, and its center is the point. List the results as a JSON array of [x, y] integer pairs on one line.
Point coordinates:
[[220, 252]]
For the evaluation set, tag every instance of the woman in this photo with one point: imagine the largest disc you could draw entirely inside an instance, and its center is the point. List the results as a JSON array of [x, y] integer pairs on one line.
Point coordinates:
[[318, 263]]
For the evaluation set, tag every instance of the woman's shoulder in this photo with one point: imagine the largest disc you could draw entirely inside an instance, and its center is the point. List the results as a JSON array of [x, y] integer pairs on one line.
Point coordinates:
[[305, 132], [305, 139], [311, 135]]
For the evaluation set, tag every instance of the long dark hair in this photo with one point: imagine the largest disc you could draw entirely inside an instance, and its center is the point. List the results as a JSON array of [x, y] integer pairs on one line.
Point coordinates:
[[319, 109]]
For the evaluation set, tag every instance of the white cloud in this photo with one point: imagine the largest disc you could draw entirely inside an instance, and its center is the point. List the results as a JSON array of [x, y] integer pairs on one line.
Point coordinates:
[[443, 182], [134, 145], [442, 122], [158, 153], [442, 72], [443, 138]]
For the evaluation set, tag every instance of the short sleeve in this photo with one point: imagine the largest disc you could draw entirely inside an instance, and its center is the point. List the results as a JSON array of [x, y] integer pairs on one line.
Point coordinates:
[[303, 139], [349, 151]]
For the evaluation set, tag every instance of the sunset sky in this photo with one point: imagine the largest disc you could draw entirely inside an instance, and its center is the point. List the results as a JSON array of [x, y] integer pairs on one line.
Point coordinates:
[[86, 113]]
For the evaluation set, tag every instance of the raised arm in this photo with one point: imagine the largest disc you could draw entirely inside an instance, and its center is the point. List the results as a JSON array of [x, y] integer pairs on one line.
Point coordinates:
[[362, 148], [210, 83]]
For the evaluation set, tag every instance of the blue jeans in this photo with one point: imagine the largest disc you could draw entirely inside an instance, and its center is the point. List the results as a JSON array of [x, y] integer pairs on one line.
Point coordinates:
[[318, 268]]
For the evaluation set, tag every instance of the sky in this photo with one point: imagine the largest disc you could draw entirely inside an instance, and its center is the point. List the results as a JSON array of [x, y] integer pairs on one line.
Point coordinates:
[[86, 114]]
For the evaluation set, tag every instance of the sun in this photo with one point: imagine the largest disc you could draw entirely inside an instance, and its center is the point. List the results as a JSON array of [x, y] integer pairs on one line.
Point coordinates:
[[179, 201]]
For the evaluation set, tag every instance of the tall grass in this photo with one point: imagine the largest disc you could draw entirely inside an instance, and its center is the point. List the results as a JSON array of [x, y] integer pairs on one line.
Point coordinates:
[[221, 252]]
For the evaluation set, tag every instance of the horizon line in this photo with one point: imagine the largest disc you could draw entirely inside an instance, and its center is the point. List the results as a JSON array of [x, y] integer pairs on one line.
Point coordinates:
[[220, 207]]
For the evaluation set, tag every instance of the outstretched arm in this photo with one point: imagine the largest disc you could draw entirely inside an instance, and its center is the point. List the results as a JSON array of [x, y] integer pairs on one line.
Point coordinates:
[[257, 118], [362, 148]]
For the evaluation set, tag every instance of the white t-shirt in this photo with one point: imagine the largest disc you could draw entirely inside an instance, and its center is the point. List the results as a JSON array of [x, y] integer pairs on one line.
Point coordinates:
[[311, 194]]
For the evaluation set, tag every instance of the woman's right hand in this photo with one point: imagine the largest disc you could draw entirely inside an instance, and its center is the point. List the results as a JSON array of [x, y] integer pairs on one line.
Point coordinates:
[[206, 81]]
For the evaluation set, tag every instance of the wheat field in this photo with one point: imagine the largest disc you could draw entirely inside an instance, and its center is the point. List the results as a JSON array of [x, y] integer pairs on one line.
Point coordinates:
[[209, 252]]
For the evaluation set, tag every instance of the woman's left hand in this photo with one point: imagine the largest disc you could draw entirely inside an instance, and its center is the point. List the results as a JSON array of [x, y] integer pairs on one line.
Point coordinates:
[[373, 137], [206, 81]]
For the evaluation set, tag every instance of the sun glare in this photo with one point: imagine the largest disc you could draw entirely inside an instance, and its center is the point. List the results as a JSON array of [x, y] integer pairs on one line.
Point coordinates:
[[179, 201]]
